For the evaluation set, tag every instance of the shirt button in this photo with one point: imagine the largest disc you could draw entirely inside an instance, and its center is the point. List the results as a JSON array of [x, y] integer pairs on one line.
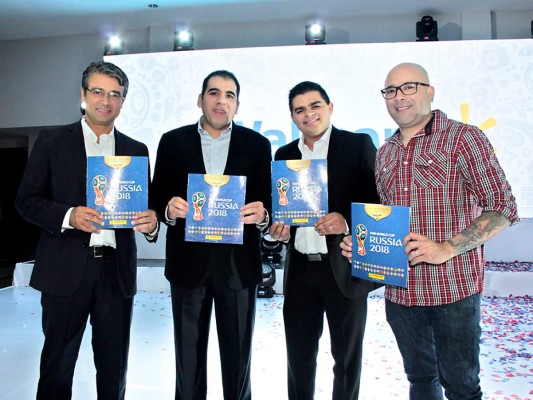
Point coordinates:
[[405, 189], [430, 162], [405, 163]]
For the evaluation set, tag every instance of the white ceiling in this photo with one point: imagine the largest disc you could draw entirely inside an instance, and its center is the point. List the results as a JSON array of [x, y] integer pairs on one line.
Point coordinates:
[[22, 19]]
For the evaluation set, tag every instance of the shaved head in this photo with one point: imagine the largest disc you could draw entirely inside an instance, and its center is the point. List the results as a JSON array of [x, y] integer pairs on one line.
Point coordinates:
[[411, 112], [414, 68]]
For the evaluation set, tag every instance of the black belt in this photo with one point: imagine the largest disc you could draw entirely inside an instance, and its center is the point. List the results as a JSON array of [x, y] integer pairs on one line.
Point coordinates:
[[316, 257], [101, 251]]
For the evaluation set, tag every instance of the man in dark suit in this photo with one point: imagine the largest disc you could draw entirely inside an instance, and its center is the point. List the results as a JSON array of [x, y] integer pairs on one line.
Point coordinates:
[[82, 271], [201, 274], [316, 278]]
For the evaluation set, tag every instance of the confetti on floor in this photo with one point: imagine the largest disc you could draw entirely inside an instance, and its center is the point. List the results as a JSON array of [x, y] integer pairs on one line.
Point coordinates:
[[506, 351]]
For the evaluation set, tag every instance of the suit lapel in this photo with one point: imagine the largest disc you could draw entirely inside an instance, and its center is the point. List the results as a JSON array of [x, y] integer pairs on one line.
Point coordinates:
[[121, 146], [294, 153], [195, 150], [237, 145], [76, 149], [333, 156], [336, 165]]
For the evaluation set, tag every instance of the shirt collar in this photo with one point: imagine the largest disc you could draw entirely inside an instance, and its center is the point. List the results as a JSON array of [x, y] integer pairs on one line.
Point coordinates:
[[428, 128], [323, 140], [203, 132], [88, 133], [426, 131]]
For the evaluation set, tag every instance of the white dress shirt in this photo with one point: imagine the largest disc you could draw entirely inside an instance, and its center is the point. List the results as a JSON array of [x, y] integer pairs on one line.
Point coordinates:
[[307, 240], [94, 147], [215, 151]]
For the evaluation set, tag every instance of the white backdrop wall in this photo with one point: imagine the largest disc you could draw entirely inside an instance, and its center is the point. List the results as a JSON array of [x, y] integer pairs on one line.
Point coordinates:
[[469, 76], [473, 80]]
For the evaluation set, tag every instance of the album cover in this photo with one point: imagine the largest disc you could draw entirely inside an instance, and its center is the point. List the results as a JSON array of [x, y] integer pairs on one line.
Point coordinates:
[[214, 208], [377, 236], [117, 186], [299, 191]]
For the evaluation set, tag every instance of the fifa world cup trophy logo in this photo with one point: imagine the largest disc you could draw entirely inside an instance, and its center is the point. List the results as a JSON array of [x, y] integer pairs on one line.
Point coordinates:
[[99, 185], [198, 201], [282, 184], [360, 234]]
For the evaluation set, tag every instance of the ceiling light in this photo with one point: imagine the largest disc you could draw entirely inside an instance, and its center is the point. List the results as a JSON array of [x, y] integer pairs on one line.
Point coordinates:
[[183, 40], [114, 45], [315, 34]]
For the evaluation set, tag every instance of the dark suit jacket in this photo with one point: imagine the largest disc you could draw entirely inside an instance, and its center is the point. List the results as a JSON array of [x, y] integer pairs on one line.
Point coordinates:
[[180, 153], [351, 160], [54, 181]]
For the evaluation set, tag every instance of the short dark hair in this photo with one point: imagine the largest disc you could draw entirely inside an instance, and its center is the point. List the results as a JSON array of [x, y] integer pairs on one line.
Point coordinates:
[[106, 68], [223, 74], [305, 87]]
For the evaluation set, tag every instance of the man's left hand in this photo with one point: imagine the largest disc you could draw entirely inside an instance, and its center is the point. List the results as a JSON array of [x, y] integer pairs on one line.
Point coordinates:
[[331, 224], [145, 222]]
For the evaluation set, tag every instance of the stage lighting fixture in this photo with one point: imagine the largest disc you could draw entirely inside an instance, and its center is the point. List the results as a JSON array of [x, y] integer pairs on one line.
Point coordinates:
[[183, 40], [315, 34], [114, 45], [265, 288], [271, 249], [427, 29]]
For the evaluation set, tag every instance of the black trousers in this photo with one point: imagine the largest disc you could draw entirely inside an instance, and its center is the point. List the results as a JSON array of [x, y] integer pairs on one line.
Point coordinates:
[[64, 320], [235, 316], [311, 292]]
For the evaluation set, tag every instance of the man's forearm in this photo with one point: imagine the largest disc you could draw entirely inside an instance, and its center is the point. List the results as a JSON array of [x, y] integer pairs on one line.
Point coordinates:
[[482, 229]]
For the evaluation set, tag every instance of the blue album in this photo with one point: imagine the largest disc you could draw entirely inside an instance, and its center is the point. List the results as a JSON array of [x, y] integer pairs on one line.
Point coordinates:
[[117, 186], [299, 191], [214, 208], [378, 251]]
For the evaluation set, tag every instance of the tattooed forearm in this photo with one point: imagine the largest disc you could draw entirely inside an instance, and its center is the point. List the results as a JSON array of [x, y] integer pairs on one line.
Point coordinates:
[[482, 229]]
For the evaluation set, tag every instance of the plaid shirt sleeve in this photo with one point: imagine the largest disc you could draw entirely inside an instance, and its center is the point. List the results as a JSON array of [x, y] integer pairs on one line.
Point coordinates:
[[484, 176]]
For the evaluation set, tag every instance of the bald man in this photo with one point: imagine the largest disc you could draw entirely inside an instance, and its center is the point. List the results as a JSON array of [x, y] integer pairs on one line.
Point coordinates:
[[447, 172]]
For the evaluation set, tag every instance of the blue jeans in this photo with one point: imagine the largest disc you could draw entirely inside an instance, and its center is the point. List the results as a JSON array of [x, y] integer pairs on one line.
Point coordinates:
[[439, 347]]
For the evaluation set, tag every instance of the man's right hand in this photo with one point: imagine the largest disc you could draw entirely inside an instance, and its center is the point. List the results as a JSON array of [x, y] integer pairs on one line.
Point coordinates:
[[346, 246], [177, 208], [82, 218]]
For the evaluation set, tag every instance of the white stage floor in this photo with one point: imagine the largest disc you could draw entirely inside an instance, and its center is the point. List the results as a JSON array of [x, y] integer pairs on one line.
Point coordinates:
[[506, 350]]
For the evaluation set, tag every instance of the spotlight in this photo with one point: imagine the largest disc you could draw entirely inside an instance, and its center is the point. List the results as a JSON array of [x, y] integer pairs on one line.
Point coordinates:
[[315, 34], [183, 40], [114, 45], [265, 288], [427, 29], [271, 249]]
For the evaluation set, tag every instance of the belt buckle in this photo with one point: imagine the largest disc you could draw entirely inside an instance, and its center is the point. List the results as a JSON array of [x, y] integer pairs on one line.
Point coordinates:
[[314, 257], [98, 251]]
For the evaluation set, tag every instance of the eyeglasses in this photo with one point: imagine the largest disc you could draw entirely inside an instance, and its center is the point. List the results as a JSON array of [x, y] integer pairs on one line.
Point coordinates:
[[114, 97], [407, 88]]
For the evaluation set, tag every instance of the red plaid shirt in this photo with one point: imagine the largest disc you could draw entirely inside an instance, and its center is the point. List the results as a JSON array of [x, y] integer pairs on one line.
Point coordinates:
[[448, 174]]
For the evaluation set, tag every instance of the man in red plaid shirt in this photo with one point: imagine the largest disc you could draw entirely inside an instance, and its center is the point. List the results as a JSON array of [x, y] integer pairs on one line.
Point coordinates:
[[447, 172]]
